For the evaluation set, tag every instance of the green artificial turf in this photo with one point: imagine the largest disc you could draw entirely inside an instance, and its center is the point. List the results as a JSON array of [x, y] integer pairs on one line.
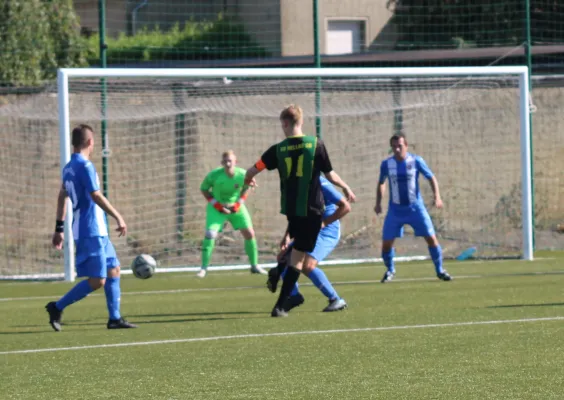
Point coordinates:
[[427, 339]]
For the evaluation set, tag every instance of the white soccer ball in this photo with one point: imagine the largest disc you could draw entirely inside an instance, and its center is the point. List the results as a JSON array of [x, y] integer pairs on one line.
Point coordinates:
[[143, 266]]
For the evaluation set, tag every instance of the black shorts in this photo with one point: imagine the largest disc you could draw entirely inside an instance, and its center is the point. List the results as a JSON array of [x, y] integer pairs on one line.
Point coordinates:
[[304, 231]]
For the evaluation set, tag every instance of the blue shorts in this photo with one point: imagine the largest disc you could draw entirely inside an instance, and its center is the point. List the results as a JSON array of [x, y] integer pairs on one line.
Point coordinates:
[[415, 215], [94, 256]]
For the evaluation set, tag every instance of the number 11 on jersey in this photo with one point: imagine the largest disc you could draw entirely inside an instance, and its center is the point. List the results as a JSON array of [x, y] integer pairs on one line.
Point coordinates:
[[299, 169]]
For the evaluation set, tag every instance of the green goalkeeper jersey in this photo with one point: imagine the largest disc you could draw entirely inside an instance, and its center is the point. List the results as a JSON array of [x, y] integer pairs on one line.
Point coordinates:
[[224, 188]]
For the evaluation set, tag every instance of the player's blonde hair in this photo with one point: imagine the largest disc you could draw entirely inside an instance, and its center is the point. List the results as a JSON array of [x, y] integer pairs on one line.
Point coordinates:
[[228, 153], [292, 113]]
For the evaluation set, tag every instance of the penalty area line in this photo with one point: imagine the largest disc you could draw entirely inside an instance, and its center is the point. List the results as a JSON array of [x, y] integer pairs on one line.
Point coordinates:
[[281, 334]]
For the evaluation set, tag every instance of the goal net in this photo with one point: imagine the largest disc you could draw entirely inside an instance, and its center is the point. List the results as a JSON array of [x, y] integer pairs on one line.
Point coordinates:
[[166, 129]]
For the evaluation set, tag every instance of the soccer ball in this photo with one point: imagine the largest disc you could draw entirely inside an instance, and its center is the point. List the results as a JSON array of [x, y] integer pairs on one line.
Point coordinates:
[[143, 266]]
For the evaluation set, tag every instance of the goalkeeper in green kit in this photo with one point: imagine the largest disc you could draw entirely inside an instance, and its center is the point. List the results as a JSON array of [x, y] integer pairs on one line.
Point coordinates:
[[225, 191]]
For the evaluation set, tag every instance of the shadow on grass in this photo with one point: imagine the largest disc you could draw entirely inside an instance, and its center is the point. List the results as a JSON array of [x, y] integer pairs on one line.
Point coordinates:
[[25, 332], [160, 321], [200, 314], [147, 322], [527, 305]]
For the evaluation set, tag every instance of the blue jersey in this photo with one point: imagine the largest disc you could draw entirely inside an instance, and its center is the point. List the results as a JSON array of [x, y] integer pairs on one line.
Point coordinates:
[[80, 180], [403, 178], [331, 196]]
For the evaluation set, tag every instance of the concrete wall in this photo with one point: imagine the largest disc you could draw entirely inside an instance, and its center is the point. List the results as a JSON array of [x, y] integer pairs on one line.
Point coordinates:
[[261, 18], [156, 12], [116, 15], [165, 13], [297, 29], [262, 21]]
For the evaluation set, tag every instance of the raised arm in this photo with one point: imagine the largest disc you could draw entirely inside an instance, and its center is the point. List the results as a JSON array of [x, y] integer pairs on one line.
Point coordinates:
[[253, 171], [269, 160]]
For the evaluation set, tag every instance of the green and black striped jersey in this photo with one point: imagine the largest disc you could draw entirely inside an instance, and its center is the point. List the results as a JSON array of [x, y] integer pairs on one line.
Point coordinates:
[[299, 160]]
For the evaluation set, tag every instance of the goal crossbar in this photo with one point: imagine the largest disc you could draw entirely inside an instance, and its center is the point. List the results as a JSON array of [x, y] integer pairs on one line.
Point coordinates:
[[289, 72]]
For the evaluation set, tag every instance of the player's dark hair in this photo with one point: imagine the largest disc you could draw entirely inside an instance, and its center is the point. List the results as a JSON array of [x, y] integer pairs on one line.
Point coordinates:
[[80, 135], [398, 136]]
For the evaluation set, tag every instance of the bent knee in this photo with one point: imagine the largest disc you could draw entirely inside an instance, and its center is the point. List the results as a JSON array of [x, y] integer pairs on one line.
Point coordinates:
[[96, 283], [309, 265], [248, 233], [211, 234], [114, 272], [432, 241]]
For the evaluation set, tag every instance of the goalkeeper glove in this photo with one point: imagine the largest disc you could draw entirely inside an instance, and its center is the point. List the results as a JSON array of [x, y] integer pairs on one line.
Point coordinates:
[[235, 207], [218, 206]]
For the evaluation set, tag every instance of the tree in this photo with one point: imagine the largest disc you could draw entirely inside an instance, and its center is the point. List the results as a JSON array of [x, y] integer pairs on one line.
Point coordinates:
[[425, 24], [37, 37]]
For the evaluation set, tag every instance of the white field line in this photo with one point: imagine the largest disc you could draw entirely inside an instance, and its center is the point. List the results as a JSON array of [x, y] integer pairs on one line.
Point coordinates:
[[221, 289], [233, 267], [17, 279], [261, 335]]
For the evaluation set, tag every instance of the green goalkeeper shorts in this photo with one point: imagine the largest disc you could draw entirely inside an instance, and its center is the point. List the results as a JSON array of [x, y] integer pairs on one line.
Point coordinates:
[[239, 220]]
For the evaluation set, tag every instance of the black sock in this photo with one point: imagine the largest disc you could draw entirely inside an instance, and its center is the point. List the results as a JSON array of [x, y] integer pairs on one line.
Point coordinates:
[[281, 267], [292, 276], [284, 261]]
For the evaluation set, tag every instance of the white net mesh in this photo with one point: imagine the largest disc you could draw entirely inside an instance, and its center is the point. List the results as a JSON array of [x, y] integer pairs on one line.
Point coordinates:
[[166, 134]]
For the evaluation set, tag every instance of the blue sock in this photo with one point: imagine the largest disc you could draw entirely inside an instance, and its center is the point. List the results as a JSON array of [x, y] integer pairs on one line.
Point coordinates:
[[113, 297], [78, 292], [295, 290], [320, 281], [437, 257], [388, 257]]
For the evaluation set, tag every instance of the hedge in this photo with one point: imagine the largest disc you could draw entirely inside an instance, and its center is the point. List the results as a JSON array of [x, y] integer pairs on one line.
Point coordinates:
[[222, 38], [40, 36]]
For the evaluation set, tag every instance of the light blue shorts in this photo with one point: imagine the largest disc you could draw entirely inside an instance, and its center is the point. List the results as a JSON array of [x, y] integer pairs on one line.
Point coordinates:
[[94, 256], [415, 215], [327, 240]]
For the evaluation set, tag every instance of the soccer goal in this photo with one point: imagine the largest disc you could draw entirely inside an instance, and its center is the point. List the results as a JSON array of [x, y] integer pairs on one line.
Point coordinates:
[[159, 131]]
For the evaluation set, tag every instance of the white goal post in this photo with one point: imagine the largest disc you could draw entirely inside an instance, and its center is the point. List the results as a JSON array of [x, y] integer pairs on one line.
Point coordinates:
[[412, 78]]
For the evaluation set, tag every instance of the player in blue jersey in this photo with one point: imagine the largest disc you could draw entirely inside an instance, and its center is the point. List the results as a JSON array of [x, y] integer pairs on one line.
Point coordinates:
[[336, 207], [96, 257], [406, 205]]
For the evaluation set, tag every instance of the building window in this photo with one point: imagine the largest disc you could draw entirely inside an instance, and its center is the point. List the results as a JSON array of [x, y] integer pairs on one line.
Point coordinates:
[[345, 36]]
